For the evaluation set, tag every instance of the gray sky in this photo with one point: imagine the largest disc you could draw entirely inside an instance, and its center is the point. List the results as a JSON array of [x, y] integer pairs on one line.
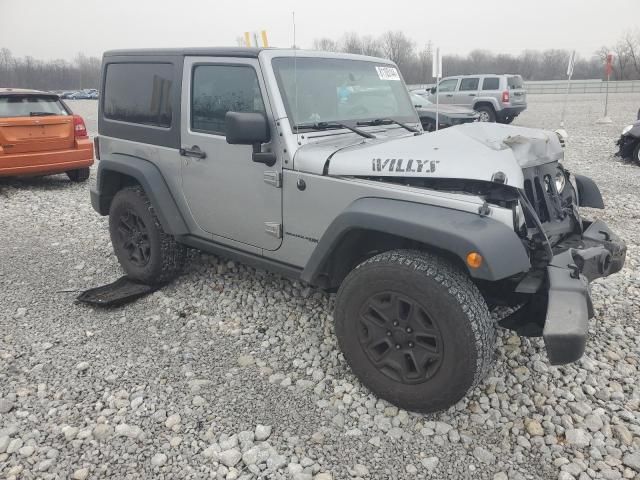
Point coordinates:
[[62, 28]]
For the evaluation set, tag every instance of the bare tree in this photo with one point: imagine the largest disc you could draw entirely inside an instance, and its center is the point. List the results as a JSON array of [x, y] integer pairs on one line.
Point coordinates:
[[326, 45], [370, 46], [397, 47], [632, 42]]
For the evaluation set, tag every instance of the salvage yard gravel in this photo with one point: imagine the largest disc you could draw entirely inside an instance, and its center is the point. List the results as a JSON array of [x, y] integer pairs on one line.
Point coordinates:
[[234, 373]]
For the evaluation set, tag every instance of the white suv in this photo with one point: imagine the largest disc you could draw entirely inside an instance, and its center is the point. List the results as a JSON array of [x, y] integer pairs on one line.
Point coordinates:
[[498, 98]]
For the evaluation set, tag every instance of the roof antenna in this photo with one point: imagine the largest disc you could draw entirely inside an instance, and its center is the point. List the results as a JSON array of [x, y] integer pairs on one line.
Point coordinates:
[[295, 76]]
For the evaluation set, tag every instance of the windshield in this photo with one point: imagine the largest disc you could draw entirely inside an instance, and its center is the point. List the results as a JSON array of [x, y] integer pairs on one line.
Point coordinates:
[[30, 105], [341, 90]]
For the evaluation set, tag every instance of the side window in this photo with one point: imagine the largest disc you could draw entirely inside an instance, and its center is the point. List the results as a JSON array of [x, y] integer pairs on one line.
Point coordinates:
[[139, 93], [467, 84], [448, 85], [491, 83], [218, 89]]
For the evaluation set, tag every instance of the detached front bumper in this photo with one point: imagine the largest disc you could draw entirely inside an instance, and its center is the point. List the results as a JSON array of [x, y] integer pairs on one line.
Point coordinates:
[[597, 253]]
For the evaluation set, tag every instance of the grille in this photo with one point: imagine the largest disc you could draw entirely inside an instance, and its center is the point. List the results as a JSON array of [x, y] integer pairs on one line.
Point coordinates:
[[539, 187]]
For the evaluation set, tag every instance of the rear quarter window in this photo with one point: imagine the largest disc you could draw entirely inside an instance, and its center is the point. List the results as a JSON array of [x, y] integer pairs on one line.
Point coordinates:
[[30, 106], [491, 83], [139, 93]]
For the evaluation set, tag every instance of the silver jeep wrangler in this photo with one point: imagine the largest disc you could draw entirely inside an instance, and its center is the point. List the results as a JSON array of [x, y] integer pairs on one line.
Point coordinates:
[[315, 166]]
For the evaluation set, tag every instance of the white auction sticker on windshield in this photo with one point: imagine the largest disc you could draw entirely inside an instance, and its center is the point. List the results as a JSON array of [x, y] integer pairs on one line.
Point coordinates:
[[388, 73]]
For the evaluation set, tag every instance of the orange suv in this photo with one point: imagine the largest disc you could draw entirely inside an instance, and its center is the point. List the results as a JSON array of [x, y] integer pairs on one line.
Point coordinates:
[[40, 135]]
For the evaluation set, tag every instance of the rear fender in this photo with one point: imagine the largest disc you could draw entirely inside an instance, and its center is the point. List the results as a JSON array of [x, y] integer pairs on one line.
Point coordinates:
[[119, 171]]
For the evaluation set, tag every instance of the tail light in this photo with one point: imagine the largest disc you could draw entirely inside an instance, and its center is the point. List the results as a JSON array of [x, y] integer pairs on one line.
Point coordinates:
[[79, 128], [505, 96]]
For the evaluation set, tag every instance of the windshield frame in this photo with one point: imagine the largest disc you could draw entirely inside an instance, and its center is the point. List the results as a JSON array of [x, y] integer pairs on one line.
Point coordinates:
[[410, 118]]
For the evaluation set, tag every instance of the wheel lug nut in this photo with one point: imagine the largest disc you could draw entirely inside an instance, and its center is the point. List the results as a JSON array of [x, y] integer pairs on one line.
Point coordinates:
[[410, 344], [395, 324], [388, 333], [397, 346], [409, 330]]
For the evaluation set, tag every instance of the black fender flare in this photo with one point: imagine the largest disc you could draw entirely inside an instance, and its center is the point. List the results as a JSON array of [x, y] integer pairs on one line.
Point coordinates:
[[588, 192], [446, 229], [109, 181]]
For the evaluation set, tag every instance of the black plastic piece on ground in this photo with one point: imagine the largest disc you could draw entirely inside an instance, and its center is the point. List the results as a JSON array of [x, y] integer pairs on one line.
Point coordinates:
[[122, 291]]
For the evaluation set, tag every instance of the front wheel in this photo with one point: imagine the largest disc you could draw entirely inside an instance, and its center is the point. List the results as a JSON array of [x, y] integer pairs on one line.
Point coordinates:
[[414, 329], [486, 114], [145, 251], [636, 152]]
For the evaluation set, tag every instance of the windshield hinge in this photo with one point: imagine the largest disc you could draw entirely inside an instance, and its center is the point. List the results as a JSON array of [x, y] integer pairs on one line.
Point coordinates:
[[274, 229], [484, 210], [273, 178]]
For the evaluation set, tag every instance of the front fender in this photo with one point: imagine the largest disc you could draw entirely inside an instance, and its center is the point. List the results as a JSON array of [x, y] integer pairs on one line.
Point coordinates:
[[451, 230], [588, 192]]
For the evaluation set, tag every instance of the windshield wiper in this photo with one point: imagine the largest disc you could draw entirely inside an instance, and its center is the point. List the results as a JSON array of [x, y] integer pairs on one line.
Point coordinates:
[[388, 121], [333, 126], [40, 114]]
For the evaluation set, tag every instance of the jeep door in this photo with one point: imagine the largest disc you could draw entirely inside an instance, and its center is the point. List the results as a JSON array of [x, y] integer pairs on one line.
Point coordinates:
[[229, 195], [467, 91], [447, 89]]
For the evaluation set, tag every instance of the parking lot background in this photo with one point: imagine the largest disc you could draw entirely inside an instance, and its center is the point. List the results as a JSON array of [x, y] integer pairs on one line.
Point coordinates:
[[160, 386]]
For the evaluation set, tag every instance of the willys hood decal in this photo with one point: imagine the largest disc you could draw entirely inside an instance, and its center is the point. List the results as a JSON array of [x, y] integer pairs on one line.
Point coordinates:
[[471, 151]]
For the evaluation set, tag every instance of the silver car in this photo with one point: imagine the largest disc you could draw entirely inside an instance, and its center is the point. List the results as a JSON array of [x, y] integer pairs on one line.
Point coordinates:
[[497, 98]]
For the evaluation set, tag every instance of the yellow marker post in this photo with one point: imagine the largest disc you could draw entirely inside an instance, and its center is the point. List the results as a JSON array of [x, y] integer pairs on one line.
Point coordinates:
[[247, 39], [265, 42]]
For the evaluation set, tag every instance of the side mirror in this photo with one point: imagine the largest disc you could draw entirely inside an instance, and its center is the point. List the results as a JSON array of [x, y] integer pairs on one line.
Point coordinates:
[[433, 90], [246, 128]]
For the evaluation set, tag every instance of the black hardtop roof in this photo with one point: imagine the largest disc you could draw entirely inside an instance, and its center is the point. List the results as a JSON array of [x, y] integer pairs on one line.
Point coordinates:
[[246, 52]]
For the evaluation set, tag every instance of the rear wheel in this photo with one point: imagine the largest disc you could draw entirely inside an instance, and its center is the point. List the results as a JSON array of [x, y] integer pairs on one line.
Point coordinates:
[[636, 152], [415, 329], [486, 113], [146, 252], [79, 174]]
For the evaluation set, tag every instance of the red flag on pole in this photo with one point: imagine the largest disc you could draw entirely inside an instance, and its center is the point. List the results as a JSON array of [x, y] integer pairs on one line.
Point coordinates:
[[609, 66]]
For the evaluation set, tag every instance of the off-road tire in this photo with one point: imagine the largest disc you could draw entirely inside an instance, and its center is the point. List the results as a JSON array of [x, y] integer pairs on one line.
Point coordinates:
[[636, 153], [453, 303], [486, 112], [79, 174], [166, 257]]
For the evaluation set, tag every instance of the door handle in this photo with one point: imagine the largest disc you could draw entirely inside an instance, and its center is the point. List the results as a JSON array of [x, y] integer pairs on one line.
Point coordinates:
[[472, 94], [449, 94], [194, 152]]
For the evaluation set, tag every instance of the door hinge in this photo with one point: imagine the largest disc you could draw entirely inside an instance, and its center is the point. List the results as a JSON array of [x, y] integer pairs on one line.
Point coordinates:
[[274, 229], [273, 178]]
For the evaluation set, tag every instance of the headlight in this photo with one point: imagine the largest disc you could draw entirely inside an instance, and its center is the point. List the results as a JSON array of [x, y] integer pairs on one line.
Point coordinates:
[[627, 129], [561, 181]]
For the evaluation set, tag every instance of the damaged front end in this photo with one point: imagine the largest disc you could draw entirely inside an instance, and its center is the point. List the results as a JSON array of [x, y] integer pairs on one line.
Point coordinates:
[[567, 252]]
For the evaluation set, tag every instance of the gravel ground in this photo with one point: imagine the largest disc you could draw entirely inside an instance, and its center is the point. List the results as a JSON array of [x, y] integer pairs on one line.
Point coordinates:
[[232, 373]]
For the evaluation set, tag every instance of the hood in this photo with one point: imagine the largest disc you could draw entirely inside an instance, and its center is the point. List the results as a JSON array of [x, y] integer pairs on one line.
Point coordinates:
[[470, 151], [451, 110]]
